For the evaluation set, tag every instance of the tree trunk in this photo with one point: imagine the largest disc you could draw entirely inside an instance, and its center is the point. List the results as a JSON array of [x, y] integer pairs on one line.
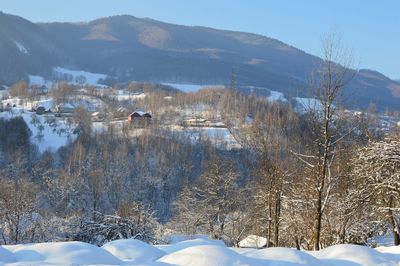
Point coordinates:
[[322, 177], [297, 241], [395, 228], [269, 229], [318, 222], [277, 218]]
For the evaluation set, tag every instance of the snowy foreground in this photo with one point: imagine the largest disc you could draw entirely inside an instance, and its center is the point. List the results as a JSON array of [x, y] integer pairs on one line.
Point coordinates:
[[191, 252]]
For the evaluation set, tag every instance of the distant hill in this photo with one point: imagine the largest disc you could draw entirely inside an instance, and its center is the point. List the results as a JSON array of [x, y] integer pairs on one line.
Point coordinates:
[[130, 48], [25, 48]]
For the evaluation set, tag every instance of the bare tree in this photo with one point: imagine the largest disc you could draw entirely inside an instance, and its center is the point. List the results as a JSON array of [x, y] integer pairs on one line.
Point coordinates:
[[377, 168], [328, 86], [18, 202]]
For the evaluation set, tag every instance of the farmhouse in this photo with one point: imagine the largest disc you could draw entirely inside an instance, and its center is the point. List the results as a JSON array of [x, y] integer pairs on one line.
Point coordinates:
[[97, 116], [65, 108], [139, 116], [40, 110]]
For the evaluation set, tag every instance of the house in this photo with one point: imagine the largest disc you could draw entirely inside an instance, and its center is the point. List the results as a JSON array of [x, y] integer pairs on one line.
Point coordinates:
[[65, 108], [40, 110], [97, 117], [42, 107], [139, 116], [196, 122]]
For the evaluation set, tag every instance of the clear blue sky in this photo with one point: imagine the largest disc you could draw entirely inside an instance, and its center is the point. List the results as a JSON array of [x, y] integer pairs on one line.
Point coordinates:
[[370, 27]]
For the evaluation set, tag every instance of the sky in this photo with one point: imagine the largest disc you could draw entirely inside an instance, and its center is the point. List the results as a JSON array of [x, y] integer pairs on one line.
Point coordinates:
[[370, 28]]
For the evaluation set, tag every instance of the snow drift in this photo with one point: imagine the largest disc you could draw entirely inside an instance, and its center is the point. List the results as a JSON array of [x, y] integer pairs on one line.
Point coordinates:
[[196, 252], [61, 253], [133, 250], [208, 255]]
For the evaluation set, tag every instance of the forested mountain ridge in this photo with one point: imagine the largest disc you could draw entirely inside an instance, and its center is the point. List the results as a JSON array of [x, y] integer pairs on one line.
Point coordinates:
[[129, 48]]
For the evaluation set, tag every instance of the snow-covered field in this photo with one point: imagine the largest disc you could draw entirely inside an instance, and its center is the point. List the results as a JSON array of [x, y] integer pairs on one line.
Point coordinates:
[[196, 252], [47, 133], [220, 137], [90, 78], [190, 87], [276, 96], [39, 81], [74, 77], [123, 96], [306, 104]]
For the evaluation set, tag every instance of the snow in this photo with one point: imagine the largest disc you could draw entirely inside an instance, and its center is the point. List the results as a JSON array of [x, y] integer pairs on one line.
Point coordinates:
[[175, 238], [61, 253], [124, 96], [218, 136], [6, 256], [190, 87], [208, 255], [305, 105], [391, 250], [141, 113], [48, 104], [52, 136], [91, 78], [281, 256], [3, 94], [37, 80], [353, 255], [196, 252], [133, 250], [253, 241], [21, 48], [276, 96], [191, 243]]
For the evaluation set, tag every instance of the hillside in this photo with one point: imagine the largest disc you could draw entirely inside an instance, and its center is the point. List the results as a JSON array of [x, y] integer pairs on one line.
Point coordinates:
[[25, 48], [130, 48]]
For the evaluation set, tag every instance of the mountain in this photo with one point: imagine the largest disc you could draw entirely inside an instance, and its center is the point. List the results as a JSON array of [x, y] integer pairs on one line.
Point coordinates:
[[145, 49], [130, 48], [25, 48]]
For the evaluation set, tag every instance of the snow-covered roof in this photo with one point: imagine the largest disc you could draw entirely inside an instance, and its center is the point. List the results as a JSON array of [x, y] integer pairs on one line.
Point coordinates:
[[46, 104], [196, 120], [66, 105], [141, 113]]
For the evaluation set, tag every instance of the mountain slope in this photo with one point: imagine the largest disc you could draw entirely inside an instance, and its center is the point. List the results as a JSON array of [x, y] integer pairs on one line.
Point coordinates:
[[131, 48], [25, 48], [144, 49]]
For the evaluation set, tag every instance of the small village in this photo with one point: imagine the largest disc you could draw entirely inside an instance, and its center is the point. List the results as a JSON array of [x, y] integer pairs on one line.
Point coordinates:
[[128, 111]]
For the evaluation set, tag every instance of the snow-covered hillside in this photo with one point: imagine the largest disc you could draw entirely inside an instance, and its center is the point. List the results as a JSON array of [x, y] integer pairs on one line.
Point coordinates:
[[197, 252], [75, 77], [21, 48], [80, 76], [276, 96], [191, 87], [48, 133]]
